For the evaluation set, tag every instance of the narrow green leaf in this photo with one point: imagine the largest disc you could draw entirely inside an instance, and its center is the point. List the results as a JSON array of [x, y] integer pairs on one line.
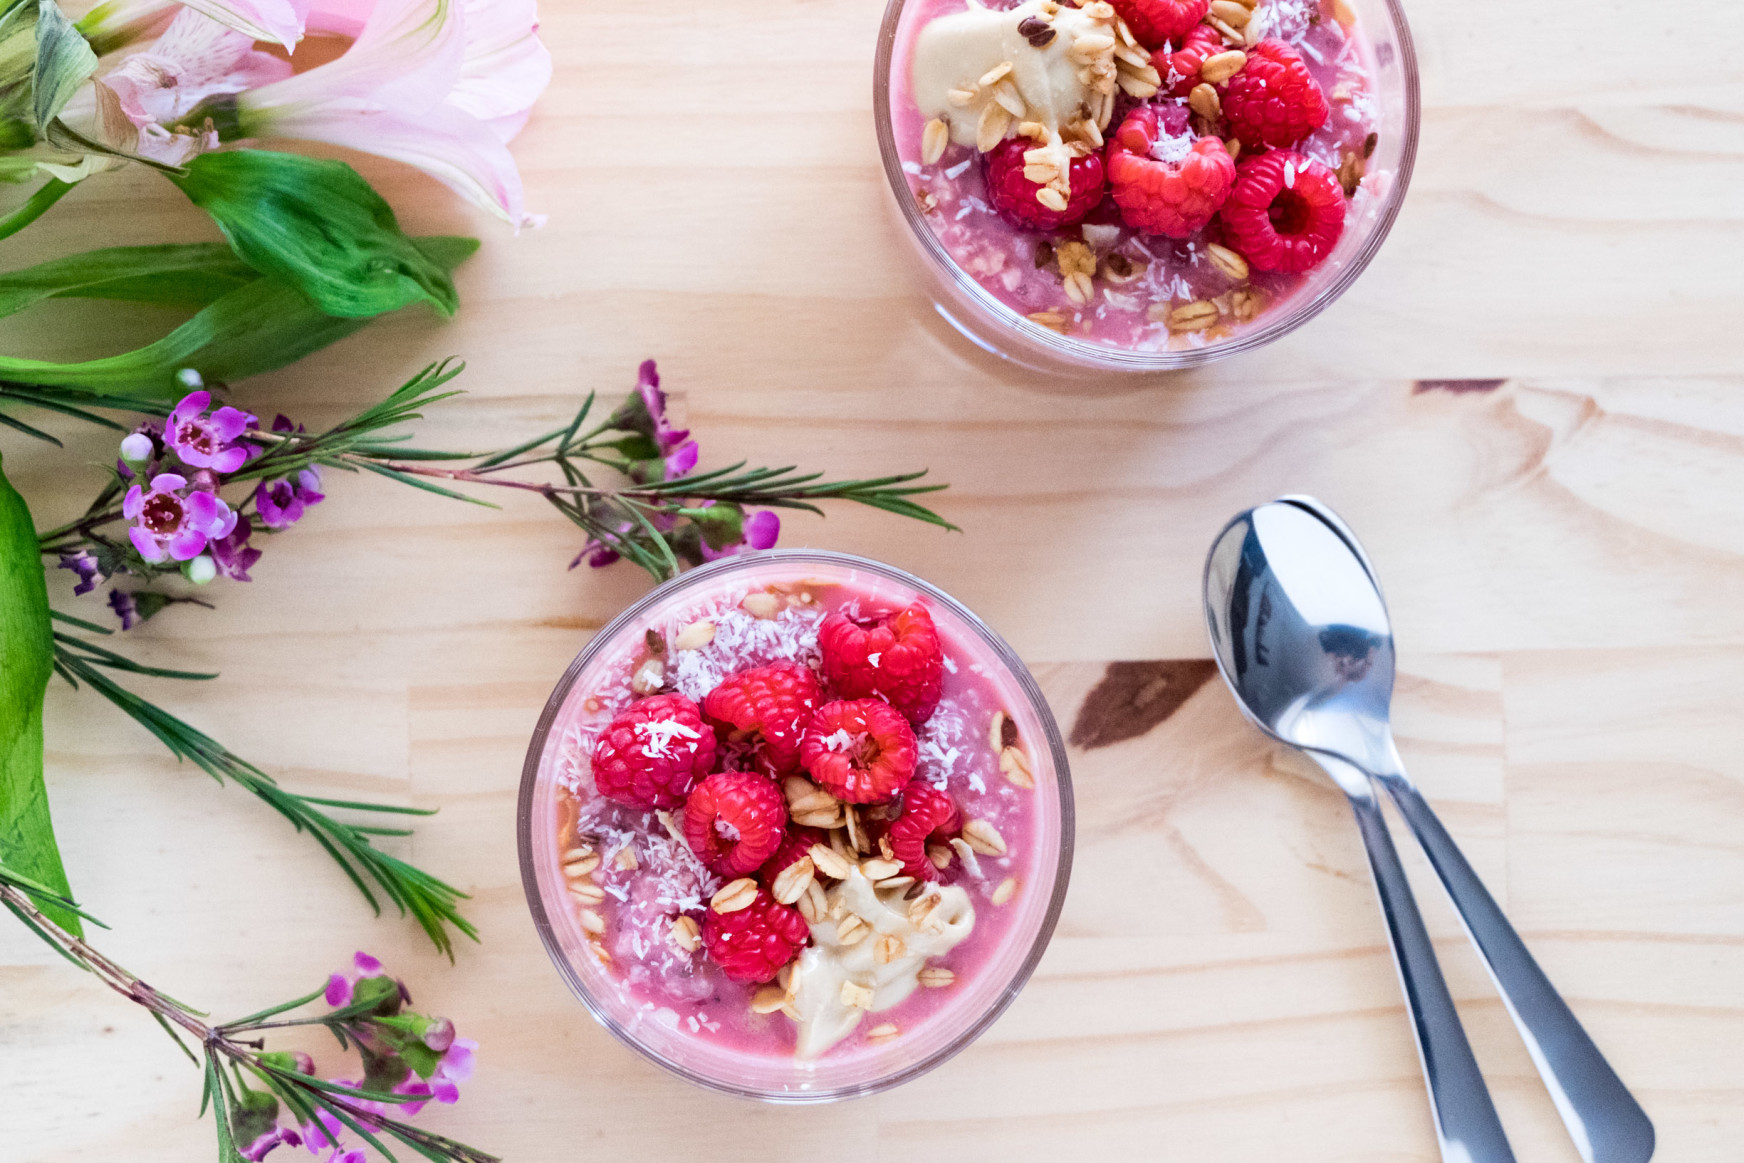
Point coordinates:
[[420, 483], [180, 275], [28, 430], [27, 841], [255, 328], [35, 206], [319, 226]]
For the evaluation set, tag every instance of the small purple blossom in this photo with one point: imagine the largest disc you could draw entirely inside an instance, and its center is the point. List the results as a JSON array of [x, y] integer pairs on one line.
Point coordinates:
[[257, 1150], [232, 553], [281, 503], [323, 1132], [761, 530], [137, 448], [171, 524], [85, 568], [207, 441], [341, 985], [654, 400], [122, 603], [454, 1069]]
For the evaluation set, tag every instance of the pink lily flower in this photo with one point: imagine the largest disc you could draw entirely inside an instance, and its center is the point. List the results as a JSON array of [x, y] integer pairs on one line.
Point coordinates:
[[119, 22], [196, 58], [439, 84]]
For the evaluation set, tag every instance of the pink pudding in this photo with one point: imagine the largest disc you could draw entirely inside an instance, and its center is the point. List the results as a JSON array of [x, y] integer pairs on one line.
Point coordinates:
[[796, 826], [1149, 176]]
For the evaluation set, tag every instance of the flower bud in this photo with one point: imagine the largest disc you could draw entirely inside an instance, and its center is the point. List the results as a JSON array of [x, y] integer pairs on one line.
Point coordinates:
[[200, 570], [205, 480], [136, 448], [439, 1034], [190, 379]]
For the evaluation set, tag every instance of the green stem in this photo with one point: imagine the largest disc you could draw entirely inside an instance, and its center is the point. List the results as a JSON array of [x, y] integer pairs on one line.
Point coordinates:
[[46, 195]]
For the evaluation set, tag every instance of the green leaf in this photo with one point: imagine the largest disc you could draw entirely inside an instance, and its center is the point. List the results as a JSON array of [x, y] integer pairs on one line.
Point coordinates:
[[319, 226], [27, 841], [190, 275], [37, 204], [256, 328], [63, 61]]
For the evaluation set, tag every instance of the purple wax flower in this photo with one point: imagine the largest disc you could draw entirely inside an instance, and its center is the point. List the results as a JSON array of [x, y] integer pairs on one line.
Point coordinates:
[[122, 603], [760, 530], [84, 566], [232, 553], [654, 400], [281, 503], [341, 985], [257, 1150], [324, 1131], [171, 524], [207, 441], [454, 1069]]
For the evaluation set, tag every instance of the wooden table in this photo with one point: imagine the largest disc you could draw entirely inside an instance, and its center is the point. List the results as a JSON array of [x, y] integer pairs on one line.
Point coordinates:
[[1531, 407]]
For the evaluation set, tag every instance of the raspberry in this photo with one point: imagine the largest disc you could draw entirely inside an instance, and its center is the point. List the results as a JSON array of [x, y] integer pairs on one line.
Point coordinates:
[[794, 846], [652, 752], [1273, 101], [734, 821], [753, 943], [1176, 197], [1184, 62], [862, 751], [896, 657], [928, 815], [1158, 22], [1014, 195], [770, 703], [1285, 213]]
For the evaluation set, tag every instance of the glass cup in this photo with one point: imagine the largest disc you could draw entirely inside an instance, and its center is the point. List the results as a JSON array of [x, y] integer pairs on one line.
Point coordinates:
[[994, 327], [973, 1002]]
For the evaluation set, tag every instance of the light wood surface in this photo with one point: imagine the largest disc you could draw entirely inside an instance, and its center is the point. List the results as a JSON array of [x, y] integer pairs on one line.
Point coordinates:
[[1563, 551]]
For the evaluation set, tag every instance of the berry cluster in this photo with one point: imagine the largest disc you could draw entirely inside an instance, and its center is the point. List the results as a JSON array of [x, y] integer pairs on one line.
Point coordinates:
[[1209, 152], [845, 737]]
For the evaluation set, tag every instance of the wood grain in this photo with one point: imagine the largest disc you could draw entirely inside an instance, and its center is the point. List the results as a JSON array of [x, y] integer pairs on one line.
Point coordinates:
[[1531, 407]]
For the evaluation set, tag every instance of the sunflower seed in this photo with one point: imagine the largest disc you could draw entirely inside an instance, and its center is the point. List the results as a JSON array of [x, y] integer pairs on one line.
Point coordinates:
[[996, 74], [695, 636], [1006, 890], [1218, 69], [685, 934], [1203, 100]]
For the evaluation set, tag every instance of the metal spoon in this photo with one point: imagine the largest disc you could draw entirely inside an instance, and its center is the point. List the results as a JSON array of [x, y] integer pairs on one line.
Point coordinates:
[[1301, 633]]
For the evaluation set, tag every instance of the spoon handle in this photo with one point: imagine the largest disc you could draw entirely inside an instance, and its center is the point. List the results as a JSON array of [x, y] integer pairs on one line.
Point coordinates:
[[1607, 1124], [1465, 1118]]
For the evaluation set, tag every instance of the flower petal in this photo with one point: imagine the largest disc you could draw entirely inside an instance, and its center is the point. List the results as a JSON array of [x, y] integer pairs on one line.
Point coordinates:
[[133, 502], [186, 545], [145, 543], [762, 529], [338, 991], [407, 57], [279, 21], [453, 147], [506, 66], [230, 459], [193, 403], [168, 482], [229, 423]]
